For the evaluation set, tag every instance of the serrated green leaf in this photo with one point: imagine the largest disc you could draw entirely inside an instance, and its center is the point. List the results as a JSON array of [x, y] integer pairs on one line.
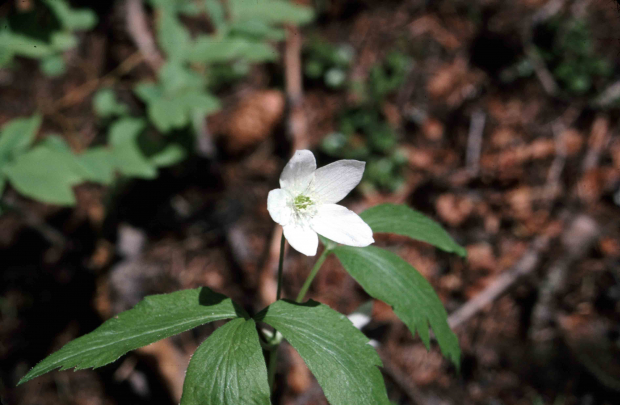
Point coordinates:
[[53, 66], [154, 318], [148, 92], [63, 41], [17, 135], [176, 78], [216, 13], [228, 368], [43, 174], [22, 45], [209, 49], [200, 102], [128, 158], [170, 155], [336, 352], [98, 165], [402, 220], [106, 105], [387, 277], [258, 29], [272, 11], [72, 19], [173, 37], [167, 114]]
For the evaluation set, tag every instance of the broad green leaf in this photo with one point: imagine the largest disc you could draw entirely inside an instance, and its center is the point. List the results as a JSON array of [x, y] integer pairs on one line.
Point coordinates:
[[272, 11], [53, 66], [98, 165], [201, 102], [24, 45], [106, 105], [173, 37], [402, 220], [209, 49], [148, 92], [215, 11], [170, 155], [175, 78], [387, 277], [72, 19], [43, 174], [167, 114], [63, 41], [128, 158], [260, 52], [336, 352], [17, 135], [228, 368], [154, 318], [258, 29]]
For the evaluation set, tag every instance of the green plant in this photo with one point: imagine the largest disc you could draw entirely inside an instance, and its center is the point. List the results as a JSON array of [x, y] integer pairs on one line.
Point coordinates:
[[328, 63], [386, 77], [229, 367], [365, 135], [243, 33], [47, 170], [572, 57], [43, 33]]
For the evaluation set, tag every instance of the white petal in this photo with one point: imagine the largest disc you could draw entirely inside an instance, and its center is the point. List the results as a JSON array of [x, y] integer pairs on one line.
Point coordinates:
[[301, 238], [341, 225], [297, 173], [279, 206], [333, 182]]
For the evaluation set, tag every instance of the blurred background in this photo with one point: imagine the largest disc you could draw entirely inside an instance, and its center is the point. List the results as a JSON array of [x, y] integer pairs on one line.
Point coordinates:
[[140, 140]]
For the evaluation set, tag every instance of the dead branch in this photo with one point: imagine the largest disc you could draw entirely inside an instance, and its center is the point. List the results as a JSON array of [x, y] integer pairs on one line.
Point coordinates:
[[474, 142], [526, 265], [576, 241], [296, 122], [138, 29]]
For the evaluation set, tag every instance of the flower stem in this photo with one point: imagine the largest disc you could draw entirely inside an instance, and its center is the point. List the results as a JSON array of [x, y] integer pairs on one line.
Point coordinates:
[[279, 293], [271, 368], [312, 275], [273, 352]]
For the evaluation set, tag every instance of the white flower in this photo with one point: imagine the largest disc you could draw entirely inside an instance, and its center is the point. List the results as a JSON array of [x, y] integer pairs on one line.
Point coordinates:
[[305, 205]]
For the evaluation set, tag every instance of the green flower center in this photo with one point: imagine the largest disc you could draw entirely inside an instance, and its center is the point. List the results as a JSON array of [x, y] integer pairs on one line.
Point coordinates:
[[302, 202]]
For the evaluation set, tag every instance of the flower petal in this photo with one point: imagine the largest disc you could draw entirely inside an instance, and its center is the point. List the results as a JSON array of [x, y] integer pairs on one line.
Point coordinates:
[[341, 225], [302, 238], [279, 206], [297, 173], [333, 182]]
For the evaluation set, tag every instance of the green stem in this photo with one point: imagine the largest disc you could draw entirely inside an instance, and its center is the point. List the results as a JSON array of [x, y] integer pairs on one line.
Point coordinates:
[[273, 352], [271, 368], [312, 275], [279, 293]]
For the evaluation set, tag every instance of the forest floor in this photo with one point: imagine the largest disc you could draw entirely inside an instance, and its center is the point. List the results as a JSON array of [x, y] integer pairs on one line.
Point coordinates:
[[524, 176]]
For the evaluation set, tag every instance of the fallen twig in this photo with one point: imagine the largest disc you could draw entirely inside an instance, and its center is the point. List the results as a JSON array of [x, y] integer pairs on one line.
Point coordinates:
[[526, 265], [576, 241], [474, 142], [138, 30]]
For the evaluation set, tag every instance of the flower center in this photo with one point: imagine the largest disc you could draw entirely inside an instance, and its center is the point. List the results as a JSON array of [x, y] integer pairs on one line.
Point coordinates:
[[302, 203]]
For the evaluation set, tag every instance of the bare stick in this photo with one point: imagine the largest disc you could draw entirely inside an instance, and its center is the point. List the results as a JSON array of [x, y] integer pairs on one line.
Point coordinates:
[[609, 95], [576, 241], [526, 265], [474, 142], [138, 29], [296, 120]]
